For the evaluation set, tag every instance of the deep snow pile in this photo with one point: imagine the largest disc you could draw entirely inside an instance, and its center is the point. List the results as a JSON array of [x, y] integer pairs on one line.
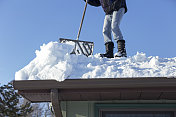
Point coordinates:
[[53, 61]]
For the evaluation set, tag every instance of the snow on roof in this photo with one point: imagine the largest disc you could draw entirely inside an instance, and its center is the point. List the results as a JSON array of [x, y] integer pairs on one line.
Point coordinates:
[[53, 61]]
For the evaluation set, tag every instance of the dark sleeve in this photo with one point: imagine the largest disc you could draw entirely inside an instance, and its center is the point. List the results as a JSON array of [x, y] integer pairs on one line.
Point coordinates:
[[94, 2]]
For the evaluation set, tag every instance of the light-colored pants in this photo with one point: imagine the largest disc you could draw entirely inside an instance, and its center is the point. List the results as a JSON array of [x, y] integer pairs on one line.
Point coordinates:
[[111, 24]]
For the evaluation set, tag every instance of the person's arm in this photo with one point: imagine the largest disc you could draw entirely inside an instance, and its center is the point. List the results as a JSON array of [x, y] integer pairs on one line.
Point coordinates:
[[94, 2]]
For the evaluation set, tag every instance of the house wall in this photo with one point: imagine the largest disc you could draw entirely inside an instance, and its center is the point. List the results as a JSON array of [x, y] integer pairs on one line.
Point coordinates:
[[87, 108], [77, 109]]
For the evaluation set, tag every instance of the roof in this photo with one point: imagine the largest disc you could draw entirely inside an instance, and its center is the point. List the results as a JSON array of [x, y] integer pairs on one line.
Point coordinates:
[[145, 88]]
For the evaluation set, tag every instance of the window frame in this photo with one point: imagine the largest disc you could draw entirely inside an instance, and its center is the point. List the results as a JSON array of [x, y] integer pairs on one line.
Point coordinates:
[[101, 107]]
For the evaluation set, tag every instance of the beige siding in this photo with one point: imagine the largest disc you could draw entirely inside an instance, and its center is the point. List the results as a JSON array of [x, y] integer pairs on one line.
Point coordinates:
[[77, 109]]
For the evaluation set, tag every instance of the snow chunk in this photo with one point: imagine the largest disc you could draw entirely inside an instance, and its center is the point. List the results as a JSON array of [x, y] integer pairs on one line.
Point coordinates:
[[50, 63], [154, 61], [54, 61]]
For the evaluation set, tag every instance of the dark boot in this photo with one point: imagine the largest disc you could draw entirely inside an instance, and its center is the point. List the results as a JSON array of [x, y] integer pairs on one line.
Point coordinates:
[[109, 50], [121, 49]]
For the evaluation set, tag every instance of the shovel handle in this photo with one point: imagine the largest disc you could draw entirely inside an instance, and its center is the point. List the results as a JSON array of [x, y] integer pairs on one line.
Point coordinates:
[[82, 20]]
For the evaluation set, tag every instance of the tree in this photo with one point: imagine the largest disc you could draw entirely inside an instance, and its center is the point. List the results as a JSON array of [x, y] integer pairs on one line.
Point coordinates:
[[10, 103], [41, 110]]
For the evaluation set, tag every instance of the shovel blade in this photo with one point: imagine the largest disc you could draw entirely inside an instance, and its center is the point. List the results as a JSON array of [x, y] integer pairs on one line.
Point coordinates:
[[81, 47]]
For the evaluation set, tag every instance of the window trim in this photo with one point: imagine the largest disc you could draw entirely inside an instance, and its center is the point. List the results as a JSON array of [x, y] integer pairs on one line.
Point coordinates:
[[100, 107]]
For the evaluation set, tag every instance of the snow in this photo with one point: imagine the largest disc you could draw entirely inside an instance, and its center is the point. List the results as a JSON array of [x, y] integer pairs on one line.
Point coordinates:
[[54, 61]]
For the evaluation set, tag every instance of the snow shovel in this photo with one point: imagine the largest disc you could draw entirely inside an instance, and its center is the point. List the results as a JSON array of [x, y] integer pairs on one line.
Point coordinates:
[[81, 47]]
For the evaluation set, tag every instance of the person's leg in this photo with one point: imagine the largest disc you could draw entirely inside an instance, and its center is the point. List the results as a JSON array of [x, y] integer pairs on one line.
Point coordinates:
[[109, 45], [116, 20], [118, 37], [107, 29]]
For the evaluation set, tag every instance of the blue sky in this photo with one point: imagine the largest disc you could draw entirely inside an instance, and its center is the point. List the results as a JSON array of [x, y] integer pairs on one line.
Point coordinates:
[[149, 26]]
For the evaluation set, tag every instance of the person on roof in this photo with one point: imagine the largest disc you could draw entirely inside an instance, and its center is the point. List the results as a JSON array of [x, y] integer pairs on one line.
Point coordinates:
[[114, 10]]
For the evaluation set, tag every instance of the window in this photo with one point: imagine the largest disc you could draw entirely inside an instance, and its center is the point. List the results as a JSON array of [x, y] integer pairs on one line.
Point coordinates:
[[135, 110]]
